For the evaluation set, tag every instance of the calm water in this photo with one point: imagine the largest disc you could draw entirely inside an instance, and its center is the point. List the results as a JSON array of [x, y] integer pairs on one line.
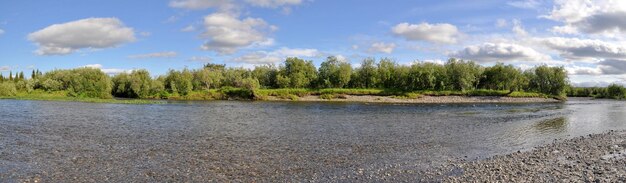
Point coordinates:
[[274, 141]]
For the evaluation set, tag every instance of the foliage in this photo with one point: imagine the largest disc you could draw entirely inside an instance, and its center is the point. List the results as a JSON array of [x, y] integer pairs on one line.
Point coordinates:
[[7, 89], [334, 73]]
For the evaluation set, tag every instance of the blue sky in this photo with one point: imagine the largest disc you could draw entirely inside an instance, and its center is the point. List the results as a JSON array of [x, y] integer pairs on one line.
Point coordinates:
[[115, 35]]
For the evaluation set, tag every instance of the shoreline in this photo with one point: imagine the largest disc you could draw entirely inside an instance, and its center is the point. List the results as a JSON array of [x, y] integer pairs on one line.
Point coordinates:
[[317, 98], [596, 157], [421, 100]]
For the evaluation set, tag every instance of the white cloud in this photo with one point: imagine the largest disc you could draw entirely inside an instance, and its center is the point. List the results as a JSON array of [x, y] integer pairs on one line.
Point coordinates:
[[499, 52], [436, 33], [577, 70], [166, 54], [61, 39], [381, 47], [603, 17], [262, 57], [288, 52], [518, 28], [4, 68], [226, 33], [200, 59], [525, 4], [189, 28], [274, 3], [341, 58], [259, 57], [1, 31], [500, 23], [202, 4], [585, 49], [107, 70]]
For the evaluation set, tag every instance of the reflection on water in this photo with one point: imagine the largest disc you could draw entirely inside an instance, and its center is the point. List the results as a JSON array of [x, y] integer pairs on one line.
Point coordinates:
[[555, 125], [274, 141]]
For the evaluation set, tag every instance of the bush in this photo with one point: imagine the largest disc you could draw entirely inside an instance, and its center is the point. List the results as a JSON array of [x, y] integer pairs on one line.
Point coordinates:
[[7, 89]]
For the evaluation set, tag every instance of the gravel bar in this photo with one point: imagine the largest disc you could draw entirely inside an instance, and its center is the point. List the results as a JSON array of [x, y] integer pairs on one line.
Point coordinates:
[[592, 158]]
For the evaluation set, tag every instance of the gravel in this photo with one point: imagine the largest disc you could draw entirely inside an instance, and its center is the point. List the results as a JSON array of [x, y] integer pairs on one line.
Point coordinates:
[[592, 158]]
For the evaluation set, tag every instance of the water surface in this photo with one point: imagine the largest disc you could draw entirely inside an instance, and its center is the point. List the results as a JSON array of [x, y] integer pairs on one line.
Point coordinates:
[[274, 141]]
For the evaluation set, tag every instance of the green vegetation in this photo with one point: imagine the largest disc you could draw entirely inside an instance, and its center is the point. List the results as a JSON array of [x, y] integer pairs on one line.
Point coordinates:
[[613, 91], [296, 78]]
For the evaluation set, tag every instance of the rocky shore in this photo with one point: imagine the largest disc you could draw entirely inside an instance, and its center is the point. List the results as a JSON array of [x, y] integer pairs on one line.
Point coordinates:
[[592, 158], [421, 100]]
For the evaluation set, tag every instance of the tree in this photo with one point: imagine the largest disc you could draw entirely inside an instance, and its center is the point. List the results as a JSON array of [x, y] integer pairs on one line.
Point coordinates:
[[615, 91], [209, 77], [548, 80], [386, 69], [21, 76], [334, 73], [463, 75], [266, 74], [300, 73], [502, 77], [10, 75], [366, 76], [179, 82]]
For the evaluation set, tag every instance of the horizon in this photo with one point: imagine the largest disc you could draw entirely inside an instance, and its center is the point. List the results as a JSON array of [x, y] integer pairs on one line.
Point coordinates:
[[587, 38]]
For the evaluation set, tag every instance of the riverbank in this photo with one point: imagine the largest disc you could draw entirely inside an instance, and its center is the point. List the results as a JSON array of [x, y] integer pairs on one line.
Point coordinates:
[[312, 95], [62, 96], [420, 100], [592, 158]]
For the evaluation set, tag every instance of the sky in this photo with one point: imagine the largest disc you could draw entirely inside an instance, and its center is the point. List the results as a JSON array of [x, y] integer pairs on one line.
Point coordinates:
[[587, 37]]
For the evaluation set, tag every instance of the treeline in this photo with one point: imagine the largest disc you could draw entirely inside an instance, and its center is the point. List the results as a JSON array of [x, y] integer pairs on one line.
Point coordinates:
[[613, 91], [454, 75]]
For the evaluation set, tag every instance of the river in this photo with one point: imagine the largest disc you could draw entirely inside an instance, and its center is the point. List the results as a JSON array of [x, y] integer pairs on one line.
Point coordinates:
[[275, 141]]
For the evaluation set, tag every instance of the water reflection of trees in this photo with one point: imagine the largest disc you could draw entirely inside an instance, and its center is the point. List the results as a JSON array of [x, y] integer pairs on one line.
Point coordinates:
[[555, 125]]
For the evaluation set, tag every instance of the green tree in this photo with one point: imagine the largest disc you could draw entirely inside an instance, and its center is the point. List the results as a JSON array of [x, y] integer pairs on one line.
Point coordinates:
[[334, 73], [548, 80], [463, 75], [209, 77], [366, 76], [179, 82], [615, 91], [301, 73], [266, 74], [502, 77]]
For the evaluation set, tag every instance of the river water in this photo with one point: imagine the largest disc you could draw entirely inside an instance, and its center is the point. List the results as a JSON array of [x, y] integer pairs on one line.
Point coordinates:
[[275, 141]]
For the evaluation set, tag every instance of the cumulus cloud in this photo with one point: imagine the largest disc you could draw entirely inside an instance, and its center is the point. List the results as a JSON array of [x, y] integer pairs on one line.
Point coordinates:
[[202, 4], [494, 52], [227, 33], [166, 54], [262, 57], [107, 70], [613, 67], [65, 38], [595, 17], [259, 57], [381, 47], [200, 59], [585, 49], [4, 68], [436, 33]]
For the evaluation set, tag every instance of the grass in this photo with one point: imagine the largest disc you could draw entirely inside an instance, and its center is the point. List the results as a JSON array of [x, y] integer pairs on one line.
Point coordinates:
[[62, 96], [264, 94]]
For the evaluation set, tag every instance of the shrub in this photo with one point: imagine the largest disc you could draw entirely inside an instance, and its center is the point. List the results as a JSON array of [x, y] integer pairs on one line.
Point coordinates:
[[7, 89]]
